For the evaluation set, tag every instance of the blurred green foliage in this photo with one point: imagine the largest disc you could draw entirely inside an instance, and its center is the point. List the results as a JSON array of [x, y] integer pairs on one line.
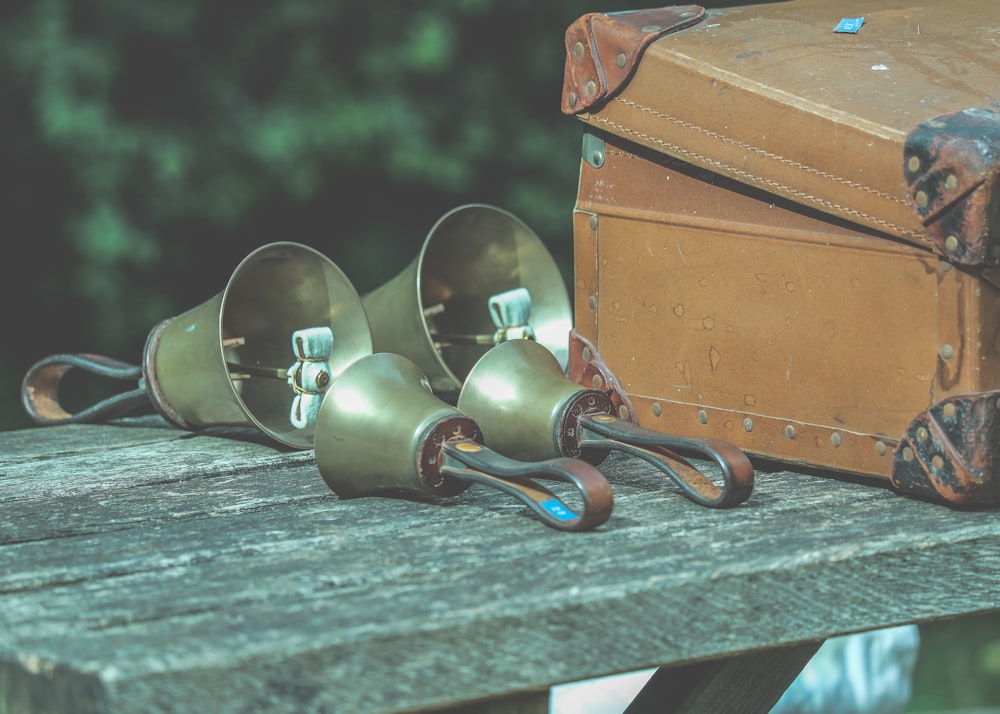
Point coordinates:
[[958, 668], [147, 147]]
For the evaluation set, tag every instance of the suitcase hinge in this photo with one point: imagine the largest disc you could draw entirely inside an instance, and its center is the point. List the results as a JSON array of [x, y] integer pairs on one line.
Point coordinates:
[[593, 150], [587, 368], [602, 50]]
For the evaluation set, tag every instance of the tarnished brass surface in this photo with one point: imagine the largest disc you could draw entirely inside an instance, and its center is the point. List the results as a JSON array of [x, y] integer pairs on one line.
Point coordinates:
[[373, 426], [276, 290], [382, 430], [519, 397], [224, 362], [472, 253]]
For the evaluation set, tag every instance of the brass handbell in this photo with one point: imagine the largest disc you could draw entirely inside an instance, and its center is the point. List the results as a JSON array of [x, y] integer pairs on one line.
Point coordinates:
[[260, 353], [481, 277], [528, 409], [380, 429]]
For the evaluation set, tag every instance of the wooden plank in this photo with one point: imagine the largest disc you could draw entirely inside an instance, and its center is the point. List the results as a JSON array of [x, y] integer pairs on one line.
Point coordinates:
[[80, 464], [210, 573], [38, 445]]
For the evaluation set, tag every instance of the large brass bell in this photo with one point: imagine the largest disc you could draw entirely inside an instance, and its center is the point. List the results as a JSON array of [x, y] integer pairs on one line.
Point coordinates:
[[260, 353], [528, 409], [380, 429], [482, 277]]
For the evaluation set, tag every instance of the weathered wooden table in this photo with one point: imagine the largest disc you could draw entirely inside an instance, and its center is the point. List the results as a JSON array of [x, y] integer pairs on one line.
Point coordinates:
[[146, 569]]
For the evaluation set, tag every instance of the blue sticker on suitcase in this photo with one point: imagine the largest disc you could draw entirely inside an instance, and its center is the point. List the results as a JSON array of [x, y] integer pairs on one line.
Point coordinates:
[[849, 24]]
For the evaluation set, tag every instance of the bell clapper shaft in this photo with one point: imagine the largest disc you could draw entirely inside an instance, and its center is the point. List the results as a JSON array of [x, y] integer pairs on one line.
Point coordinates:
[[469, 460], [308, 377], [666, 452], [445, 340], [239, 372], [510, 312], [433, 310]]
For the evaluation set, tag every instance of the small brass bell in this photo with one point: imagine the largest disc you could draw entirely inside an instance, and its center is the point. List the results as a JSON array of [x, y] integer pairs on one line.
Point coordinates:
[[528, 409], [481, 277], [381, 429], [229, 361]]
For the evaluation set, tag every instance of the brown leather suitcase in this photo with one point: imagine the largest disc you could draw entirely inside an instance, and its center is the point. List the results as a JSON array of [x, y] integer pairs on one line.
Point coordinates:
[[786, 235]]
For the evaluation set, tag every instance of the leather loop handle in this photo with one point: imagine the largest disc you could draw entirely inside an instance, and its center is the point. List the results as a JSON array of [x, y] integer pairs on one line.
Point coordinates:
[[40, 389], [665, 452], [470, 461]]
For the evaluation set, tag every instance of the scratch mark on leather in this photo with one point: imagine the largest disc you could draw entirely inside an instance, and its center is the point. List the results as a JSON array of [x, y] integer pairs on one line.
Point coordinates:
[[714, 357]]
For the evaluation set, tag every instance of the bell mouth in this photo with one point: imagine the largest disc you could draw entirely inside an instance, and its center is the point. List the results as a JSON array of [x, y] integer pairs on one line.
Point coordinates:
[[228, 361], [277, 290], [475, 252]]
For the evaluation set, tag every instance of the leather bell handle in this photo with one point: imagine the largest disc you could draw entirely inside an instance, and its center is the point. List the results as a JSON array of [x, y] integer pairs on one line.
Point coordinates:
[[665, 452], [470, 461], [40, 389]]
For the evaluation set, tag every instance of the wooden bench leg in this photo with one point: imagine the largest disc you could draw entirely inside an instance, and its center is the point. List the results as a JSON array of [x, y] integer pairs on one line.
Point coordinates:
[[743, 684]]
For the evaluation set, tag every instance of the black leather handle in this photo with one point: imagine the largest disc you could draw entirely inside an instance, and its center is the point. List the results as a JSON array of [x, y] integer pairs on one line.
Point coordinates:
[[40, 389], [665, 451]]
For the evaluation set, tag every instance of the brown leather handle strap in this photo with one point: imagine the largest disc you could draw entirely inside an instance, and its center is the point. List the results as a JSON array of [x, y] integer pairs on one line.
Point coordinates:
[[665, 452], [40, 389], [468, 460]]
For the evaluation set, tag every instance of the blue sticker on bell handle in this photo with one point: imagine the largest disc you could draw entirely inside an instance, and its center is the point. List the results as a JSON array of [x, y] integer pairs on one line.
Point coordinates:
[[849, 24], [557, 509]]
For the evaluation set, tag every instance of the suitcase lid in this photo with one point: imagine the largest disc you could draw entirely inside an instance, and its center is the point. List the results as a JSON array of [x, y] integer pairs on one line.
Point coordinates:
[[892, 127]]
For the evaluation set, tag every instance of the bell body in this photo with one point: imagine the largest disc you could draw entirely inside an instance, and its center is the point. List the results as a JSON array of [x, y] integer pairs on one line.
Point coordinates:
[[526, 407], [185, 370], [380, 428], [201, 367], [472, 253]]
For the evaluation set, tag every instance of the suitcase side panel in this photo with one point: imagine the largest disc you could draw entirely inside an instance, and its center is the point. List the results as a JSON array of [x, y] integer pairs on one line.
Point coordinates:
[[790, 334], [754, 135]]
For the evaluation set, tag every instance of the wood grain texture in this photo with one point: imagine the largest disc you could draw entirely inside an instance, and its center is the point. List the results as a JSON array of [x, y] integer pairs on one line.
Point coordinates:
[[146, 569]]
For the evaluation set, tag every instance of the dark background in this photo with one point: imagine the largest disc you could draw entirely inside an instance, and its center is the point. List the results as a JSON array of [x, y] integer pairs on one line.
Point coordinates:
[[147, 147]]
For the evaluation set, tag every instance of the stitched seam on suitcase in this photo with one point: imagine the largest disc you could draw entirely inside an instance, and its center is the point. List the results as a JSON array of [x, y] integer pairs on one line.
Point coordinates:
[[770, 183]]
